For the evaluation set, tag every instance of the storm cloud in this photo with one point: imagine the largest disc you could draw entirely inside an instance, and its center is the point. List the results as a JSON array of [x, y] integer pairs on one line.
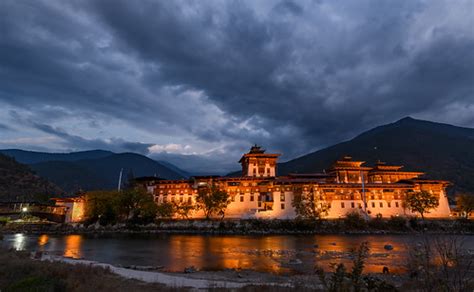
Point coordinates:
[[209, 78]]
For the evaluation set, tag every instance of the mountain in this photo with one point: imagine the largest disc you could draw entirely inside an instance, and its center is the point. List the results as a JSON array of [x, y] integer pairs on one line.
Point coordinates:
[[176, 169], [30, 157], [442, 151], [210, 164], [19, 183], [91, 170]]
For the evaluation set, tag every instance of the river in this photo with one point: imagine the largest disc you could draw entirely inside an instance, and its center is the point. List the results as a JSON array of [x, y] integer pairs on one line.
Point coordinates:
[[279, 254]]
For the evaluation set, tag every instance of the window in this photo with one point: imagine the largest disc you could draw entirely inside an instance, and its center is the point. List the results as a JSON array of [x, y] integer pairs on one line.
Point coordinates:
[[352, 205], [372, 197], [282, 197], [373, 205], [360, 206], [268, 170], [251, 198], [381, 205], [259, 204], [190, 200], [342, 205], [181, 199], [241, 198], [283, 206], [396, 204], [389, 205]]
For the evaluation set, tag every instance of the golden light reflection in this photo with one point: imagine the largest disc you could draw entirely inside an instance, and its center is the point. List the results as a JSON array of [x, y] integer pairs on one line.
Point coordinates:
[[72, 248], [43, 240], [339, 249]]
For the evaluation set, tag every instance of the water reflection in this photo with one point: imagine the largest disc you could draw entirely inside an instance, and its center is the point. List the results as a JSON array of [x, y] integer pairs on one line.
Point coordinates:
[[276, 254], [19, 241], [43, 239], [73, 246]]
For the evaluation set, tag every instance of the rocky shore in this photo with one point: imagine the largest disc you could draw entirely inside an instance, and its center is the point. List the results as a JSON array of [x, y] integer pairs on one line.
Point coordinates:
[[253, 227]]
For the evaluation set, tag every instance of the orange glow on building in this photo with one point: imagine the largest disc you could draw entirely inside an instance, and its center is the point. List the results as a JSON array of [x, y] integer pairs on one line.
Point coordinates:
[[348, 186]]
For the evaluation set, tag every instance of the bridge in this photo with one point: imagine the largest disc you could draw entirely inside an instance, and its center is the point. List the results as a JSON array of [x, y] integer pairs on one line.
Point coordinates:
[[43, 211]]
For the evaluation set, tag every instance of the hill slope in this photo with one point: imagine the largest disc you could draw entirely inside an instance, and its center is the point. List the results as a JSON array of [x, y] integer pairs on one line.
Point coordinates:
[[19, 183], [91, 170], [442, 151], [30, 157]]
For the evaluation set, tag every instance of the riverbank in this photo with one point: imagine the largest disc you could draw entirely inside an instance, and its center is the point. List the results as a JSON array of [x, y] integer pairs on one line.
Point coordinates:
[[21, 271], [256, 227]]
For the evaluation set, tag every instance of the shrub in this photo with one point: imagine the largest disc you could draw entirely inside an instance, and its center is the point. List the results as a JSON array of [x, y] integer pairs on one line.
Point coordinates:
[[341, 280], [441, 264], [355, 221], [165, 210], [397, 223], [4, 221], [378, 223]]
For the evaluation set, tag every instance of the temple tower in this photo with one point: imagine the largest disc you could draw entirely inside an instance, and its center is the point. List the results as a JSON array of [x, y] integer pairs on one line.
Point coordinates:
[[257, 163]]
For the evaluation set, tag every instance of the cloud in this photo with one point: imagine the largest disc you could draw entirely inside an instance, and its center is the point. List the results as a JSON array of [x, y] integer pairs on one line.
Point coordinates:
[[218, 76], [78, 142], [168, 148], [5, 127]]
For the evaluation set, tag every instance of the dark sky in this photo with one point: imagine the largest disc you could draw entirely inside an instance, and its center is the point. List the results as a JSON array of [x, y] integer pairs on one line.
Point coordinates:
[[209, 78]]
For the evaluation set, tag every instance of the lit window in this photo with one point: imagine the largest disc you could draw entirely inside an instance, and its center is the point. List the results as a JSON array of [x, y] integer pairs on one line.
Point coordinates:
[[282, 197]]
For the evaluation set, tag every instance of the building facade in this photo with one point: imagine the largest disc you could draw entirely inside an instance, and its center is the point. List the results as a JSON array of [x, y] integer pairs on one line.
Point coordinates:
[[348, 186]]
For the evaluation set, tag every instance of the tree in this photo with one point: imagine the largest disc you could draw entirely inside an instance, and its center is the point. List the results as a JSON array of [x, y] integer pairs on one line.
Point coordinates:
[[129, 205], [421, 202], [101, 206], [136, 204], [310, 205], [465, 204], [212, 201], [166, 210], [183, 209]]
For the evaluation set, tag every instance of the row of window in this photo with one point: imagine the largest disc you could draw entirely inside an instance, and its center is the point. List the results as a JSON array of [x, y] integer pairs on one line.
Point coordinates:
[[252, 198], [172, 199], [389, 205]]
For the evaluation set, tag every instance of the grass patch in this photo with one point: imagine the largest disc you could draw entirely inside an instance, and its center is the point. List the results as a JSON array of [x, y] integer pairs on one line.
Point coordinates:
[[20, 273]]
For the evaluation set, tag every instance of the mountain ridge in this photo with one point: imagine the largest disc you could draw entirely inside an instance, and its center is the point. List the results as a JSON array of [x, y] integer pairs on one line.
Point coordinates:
[[91, 170], [19, 183], [440, 150]]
